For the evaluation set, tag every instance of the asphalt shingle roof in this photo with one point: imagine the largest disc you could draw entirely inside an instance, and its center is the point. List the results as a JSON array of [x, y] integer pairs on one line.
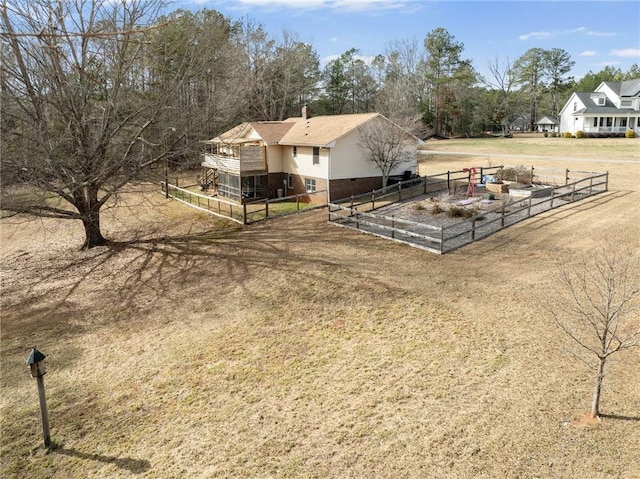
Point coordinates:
[[591, 107], [323, 130], [625, 88]]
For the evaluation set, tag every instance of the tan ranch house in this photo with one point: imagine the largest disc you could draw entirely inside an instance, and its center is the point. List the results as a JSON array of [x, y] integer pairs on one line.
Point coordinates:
[[267, 159]]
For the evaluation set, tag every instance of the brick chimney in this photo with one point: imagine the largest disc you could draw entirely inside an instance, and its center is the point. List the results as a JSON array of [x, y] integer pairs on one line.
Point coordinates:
[[306, 112]]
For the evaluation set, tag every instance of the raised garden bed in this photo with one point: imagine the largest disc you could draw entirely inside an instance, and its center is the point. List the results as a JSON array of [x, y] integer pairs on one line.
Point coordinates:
[[502, 187], [526, 191]]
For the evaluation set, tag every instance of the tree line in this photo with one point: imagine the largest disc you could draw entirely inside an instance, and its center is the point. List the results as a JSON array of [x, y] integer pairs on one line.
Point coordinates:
[[93, 92]]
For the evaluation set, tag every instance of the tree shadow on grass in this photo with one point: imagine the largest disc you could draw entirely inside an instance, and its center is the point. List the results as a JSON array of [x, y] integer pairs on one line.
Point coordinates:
[[135, 466], [546, 219], [620, 417], [157, 268]]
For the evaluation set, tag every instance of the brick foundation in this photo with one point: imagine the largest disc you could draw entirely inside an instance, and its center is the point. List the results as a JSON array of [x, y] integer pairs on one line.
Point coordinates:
[[339, 188], [345, 188]]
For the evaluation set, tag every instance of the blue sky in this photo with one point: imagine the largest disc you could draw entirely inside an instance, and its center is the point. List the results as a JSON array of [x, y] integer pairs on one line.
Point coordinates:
[[594, 33]]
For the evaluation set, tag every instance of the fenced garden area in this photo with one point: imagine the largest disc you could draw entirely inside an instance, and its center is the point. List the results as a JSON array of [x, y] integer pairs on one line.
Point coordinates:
[[247, 213], [446, 211], [302, 351]]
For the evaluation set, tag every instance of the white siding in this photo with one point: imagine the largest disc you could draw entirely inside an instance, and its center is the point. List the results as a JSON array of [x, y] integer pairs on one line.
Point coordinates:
[[302, 164], [567, 120], [253, 135], [274, 158], [348, 160], [610, 94]]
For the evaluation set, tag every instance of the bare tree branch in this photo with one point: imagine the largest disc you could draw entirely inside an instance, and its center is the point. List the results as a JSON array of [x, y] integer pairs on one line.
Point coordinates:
[[597, 306]]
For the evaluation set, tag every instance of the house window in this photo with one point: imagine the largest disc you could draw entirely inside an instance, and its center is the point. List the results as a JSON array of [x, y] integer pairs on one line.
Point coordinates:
[[316, 155], [626, 103], [290, 182], [575, 105], [595, 121], [295, 151], [600, 101], [609, 121], [623, 122], [310, 185]]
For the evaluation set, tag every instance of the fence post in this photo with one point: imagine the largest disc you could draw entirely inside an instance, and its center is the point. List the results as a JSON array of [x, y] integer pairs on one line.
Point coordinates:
[[448, 182], [393, 227], [473, 229], [266, 208], [441, 239], [553, 193], [218, 206], [606, 182], [298, 203], [373, 201], [566, 177], [357, 222], [481, 175], [532, 168], [400, 191], [502, 219], [244, 213]]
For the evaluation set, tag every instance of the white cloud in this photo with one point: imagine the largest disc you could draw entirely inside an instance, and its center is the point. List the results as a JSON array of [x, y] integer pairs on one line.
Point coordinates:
[[626, 52], [329, 58], [345, 5], [284, 3], [588, 53], [606, 64], [579, 30], [527, 36], [586, 31], [601, 34]]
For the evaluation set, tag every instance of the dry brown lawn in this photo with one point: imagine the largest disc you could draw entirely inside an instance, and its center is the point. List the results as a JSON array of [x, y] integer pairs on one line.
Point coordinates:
[[293, 348]]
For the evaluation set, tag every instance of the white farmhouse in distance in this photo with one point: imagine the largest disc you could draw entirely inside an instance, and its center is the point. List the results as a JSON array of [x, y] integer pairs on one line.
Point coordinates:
[[546, 123], [611, 110]]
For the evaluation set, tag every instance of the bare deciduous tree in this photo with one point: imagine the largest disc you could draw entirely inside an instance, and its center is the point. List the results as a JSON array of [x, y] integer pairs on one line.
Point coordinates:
[[387, 145], [502, 83], [597, 307], [75, 110]]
